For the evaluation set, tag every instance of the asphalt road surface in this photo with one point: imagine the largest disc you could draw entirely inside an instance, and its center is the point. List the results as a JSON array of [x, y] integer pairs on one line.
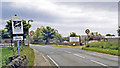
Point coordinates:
[[63, 56]]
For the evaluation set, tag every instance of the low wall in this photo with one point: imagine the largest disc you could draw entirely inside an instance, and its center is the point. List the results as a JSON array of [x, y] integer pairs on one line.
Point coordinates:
[[17, 61]]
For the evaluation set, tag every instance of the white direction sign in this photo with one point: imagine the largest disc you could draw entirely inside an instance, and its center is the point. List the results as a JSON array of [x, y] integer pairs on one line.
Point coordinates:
[[17, 25], [74, 39], [18, 38]]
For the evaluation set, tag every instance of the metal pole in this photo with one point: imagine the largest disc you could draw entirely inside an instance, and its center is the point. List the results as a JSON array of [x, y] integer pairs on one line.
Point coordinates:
[[18, 47], [28, 30], [87, 39], [28, 33]]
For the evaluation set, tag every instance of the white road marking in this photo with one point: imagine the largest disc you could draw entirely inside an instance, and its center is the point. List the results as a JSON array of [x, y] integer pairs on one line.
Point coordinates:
[[98, 63], [67, 51], [53, 61], [44, 58], [107, 55], [79, 55]]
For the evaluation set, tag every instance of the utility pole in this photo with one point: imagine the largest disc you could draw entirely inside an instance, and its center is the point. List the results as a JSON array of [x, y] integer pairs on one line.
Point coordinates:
[[28, 30]]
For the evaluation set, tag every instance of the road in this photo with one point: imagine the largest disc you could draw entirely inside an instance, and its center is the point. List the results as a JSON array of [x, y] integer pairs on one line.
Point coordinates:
[[62, 56]]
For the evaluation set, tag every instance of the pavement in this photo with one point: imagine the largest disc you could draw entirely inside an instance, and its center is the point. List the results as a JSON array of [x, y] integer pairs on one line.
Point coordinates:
[[63, 56], [40, 59]]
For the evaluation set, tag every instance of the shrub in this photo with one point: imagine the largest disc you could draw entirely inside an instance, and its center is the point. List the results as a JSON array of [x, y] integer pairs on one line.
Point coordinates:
[[87, 45]]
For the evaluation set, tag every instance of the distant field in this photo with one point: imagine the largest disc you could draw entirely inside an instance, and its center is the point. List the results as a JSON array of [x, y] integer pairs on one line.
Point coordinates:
[[103, 47], [25, 50]]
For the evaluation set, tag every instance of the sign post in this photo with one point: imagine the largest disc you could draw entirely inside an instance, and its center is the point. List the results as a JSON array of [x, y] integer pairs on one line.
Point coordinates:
[[32, 33], [17, 29], [74, 40], [87, 31], [18, 47]]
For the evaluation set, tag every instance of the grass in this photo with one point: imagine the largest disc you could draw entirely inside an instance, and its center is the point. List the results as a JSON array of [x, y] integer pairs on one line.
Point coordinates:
[[0, 57], [63, 45], [103, 47], [54, 45], [106, 51], [12, 51]]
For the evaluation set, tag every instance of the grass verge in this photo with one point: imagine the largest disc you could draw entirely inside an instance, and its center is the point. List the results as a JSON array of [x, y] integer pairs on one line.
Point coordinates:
[[54, 45], [106, 51], [0, 57], [12, 51], [103, 47], [63, 45]]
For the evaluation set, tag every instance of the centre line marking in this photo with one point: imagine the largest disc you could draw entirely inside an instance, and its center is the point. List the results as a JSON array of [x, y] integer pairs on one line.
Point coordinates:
[[53, 61], [67, 51], [98, 63], [79, 55]]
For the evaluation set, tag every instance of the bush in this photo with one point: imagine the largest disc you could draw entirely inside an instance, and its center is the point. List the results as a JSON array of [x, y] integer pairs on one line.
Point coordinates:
[[87, 45]]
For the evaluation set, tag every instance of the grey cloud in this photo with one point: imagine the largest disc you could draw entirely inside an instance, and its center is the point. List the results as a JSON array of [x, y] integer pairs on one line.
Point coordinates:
[[8, 11], [109, 6], [50, 19]]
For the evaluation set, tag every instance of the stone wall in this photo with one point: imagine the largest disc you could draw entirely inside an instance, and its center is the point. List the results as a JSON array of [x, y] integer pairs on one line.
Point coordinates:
[[17, 61]]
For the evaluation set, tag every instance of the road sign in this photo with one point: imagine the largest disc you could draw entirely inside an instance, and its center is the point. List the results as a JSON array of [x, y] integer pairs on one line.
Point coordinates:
[[31, 33], [74, 39], [17, 25], [18, 38], [87, 31]]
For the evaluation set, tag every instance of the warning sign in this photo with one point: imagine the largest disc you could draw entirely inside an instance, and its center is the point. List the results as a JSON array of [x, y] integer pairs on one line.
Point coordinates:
[[17, 25]]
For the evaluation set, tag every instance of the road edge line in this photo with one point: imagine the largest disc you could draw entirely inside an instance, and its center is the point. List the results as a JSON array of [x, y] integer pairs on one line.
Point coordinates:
[[44, 58], [53, 61]]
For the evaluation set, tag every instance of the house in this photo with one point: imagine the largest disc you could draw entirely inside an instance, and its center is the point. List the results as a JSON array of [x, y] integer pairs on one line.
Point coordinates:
[[112, 38], [83, 37]]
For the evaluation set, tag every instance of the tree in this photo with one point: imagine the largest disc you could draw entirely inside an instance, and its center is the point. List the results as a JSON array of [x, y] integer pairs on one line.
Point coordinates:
[[58, 36], [8, 26], [108, 34], [73, 34], [48, 33], [4, 34], [118, 31], [38, 34]]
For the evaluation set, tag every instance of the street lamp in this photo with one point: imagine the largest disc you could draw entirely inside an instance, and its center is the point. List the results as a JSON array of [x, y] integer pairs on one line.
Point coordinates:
[[28, 30]]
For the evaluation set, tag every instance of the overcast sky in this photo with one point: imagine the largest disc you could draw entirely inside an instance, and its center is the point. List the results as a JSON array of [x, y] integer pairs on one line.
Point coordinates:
[[65, 16]]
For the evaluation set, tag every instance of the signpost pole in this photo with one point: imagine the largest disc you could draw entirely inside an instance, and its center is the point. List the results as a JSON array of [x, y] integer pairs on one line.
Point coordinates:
[[28, 30], [18, 47], [17, 28], [87, 31], [87, 39]]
